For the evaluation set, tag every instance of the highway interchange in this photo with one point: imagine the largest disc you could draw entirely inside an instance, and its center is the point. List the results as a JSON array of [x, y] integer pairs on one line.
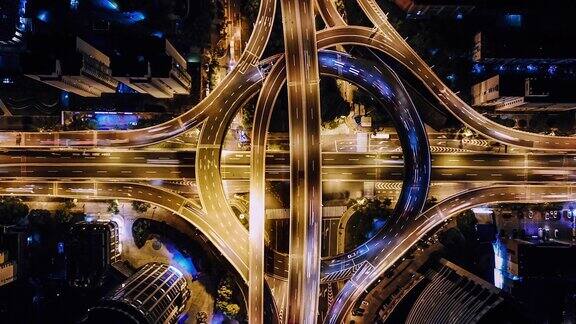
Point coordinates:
[[105, 165]]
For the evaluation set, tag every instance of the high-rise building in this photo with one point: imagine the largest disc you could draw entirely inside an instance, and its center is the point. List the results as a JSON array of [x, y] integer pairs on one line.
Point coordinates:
[[157, 293], [539, 273], [517, 259], [161, 74], [91, 250], [13, 23], [72, 65]]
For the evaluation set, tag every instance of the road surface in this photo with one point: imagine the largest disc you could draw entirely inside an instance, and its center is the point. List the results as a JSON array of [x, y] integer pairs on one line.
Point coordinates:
[[303, 78]]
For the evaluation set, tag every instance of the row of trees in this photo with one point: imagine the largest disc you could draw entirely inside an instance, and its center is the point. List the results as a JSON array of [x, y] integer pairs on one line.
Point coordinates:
[[14, 210], [250, 10], [81, 123], [560, 125], [137, 205], [224, 298]]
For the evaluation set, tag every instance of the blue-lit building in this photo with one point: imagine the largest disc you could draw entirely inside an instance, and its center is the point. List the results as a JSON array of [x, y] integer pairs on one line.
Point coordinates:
[[14, 242], [13, 22], [510, 48], [519, 260], [526, 37], [14, 25], [540, 275]]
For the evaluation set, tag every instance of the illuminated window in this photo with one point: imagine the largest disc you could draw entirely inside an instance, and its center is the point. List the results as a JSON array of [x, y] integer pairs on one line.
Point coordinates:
[[514, 20]]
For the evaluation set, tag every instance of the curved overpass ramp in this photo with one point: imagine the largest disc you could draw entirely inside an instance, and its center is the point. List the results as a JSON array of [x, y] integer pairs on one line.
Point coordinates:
[[387, 89], [399, 242], [237, 81], [389, 42]]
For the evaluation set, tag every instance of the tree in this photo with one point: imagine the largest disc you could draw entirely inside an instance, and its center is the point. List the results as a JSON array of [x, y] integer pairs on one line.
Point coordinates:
[[113, 206], [466, 223], [201, 318], [461, 241], [140, 206], [522, 123], [453, 240], [333, 105], [140, 232], [63, 215], [12, 210], [149, 122], [231, 310], [508, 122], [69, 203], [224, 296], [368, 219], [39, 217], [430, 201], [386, 202], [248, 115], [250, 10], [225, 292]]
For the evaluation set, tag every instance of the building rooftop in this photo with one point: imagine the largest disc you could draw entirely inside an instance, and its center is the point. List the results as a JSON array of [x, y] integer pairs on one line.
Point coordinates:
[[131, 59], [157, 293]]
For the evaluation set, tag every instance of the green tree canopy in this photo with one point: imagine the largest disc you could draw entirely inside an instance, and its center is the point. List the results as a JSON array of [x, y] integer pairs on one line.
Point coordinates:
[[140, 231], [466, 223], [63, 215], [140, 206], [12, 210], [333, 105], [113, 206], [39, 217], [69, 203], [225, 292], [231, 310]]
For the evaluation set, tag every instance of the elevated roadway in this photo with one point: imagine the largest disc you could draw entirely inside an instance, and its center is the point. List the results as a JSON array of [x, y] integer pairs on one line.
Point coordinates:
[[387, 89], [146, 165], [329, 13], [301, 55], [387, 40], [301, 67], [257, 172], [235, 82], [398, 241]]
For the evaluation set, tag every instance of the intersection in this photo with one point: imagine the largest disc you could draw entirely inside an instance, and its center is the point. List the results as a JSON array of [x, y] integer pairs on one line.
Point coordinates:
[[115, 165]]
